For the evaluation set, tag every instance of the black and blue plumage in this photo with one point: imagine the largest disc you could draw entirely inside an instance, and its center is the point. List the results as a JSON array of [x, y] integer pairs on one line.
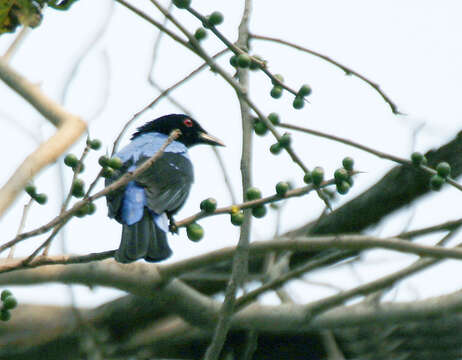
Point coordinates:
[[145, 206]]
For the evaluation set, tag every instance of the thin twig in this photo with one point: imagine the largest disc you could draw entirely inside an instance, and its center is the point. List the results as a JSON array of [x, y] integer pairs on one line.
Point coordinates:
[[16, 42], [370, 150], [347, 70], [122, 181], [22, 223]]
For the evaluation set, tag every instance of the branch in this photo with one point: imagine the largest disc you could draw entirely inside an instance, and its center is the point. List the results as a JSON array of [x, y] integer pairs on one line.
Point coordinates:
[[347, 70], [70, 128]]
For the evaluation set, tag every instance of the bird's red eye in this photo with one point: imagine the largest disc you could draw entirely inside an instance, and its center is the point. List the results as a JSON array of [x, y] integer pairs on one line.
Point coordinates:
[[188, 123]]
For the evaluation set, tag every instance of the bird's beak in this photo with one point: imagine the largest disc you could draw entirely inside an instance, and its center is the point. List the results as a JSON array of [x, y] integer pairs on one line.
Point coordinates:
[[209, 139]]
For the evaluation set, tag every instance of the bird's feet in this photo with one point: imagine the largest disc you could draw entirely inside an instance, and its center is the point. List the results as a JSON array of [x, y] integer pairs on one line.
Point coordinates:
[[172, 225]]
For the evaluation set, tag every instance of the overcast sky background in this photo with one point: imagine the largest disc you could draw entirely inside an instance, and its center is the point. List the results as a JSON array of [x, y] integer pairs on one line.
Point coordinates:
[[411, 49]]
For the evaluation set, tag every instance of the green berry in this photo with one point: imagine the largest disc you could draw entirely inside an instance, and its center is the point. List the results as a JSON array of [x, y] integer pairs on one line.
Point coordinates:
[[103, 160], [298, 102], [443, 169], [91, 208], [31, 190], [260, 128], [78, 188], [94, 144], [233, 61], [343, 187], [208, 205], [195, 232], [259, 211], [108, 172], [5, 293], [252, 193], [276, 92], [282, 187], [115, 163], [285, 140], [418, 159], [182, 4], [71, 160], [274, 118], [341, 175], [275, 148], [237, 218], [215, 18], [10, 303], [243, 60], [254, 65], [81, 212], [5, 315], [81, 167], [348, 163], [307, 178], [436, 182], [317, 175], [200, 34], [305, 90], [277, 77], [41, 198]]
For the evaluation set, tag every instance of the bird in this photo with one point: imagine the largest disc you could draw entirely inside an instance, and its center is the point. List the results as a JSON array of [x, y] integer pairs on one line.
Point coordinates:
[[146, 205]]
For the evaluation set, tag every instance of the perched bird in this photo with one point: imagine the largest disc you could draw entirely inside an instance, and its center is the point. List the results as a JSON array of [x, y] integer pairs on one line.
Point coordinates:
[[145, 205]]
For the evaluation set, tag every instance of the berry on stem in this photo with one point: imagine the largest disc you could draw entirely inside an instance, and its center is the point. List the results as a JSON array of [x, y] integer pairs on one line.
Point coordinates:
[[10, 303], [233, 61], [195, 232], [41, 198], [348, 163], [282, 187], [208, 205], [277, 77], [252, 193], [436, 182], [215, 18], [103, 160], [182, 4], [285, 140], [418, 159], [274, 118], [305, 90], [5, 293], [276, 92], [317, 175], [71, 160], [343, 187], [237, 218], [108, 172], [200, 34], [443, 169], [31, 190], [275, 148], [259, 211], [243, 60], [298, 102], [341, 175], [115, 163], [260, 128], [307, 178], [5, 315], [94, 144]]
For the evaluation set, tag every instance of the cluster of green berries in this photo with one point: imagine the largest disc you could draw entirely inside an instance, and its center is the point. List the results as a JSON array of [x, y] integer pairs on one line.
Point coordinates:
[[260, 127], [245, 61], [315, 176], [254, 193], [9, 303], [342, 176], [32, 191], [110, 165], [73, 162], [443, 170], [277, 90], [283, 143]]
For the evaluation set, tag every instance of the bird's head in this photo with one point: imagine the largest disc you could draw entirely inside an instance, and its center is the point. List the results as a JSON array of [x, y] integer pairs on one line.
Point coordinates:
[[191, 132]]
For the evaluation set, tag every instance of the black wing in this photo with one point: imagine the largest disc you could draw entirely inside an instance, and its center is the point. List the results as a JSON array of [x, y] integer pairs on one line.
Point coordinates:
[[167, 182]]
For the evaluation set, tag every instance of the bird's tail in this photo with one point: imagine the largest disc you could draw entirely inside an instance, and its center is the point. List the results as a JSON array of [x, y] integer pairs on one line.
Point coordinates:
[[143, 239]]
